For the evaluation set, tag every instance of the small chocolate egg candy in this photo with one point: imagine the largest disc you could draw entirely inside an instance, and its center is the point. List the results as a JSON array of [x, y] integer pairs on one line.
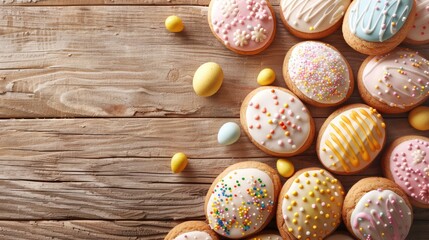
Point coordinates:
[[419, 118], [285, 167], [266, 77], [229, 133], [178, 162], [174, 24], [207, 79]]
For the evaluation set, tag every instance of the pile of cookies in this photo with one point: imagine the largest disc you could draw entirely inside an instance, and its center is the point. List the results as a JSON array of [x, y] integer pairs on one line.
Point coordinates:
[[312, 203]]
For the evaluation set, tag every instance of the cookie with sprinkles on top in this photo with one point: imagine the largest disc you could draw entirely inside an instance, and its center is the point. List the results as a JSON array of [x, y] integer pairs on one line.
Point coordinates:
[[419, 33], [318, 74], [395, 82], [276, 121], [242, 200], [378, 26], [191, 230], [267, 235], [406, 162], [376, 208], [310, 205], [244, 26], [313, 19]]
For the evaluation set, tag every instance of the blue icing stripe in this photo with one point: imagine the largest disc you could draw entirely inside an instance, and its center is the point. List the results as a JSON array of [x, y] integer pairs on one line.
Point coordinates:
[[378, 20]]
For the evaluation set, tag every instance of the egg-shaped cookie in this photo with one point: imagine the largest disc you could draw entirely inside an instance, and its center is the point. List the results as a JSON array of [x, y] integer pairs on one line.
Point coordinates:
[[191, 230], [394, 82], [350, 139], [276, 121], [339, 236], [243, 26], [310, 205], [318, 74], [313, 19], [242, 200], [406, 162], [267, 235], [419, 33], [378, 26], [376, 208]]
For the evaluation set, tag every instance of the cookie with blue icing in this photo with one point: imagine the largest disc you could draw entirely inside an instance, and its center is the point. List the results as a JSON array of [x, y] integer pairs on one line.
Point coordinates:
[[376, 27]]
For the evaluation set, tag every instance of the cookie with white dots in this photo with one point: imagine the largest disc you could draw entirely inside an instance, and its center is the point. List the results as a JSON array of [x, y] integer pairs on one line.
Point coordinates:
[[377, 208], [419, 33], [243, 26], [395, 82], [191, 230], [406, 162], [267, 235], [276, 121], [242, 200], [310, 204], [318, 74]]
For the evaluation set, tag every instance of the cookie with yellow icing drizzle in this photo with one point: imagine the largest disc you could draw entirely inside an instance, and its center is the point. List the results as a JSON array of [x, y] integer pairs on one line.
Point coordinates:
[[191, 230], [350, 139], [310, 205]]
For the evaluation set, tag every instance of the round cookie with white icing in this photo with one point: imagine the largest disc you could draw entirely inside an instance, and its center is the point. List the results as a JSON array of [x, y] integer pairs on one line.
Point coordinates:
[[310, 205], [395, 82], [242, 199], [419, 33], [313, 19], [318, 74], [267, 235], [276, 121], [377, 208], [244, 26], [350, 139], [191, 230], [406, 162], [377, 27]]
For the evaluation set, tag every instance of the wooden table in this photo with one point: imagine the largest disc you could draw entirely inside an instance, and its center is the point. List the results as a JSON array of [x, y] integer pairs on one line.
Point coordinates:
[[95, 98]]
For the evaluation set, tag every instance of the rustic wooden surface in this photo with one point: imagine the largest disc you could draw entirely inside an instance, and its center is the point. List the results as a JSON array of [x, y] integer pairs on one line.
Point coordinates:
[[96, 96]]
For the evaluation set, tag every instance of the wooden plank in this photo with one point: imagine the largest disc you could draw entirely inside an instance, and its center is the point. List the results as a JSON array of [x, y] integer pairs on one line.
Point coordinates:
[[119, 61], [108, 2]]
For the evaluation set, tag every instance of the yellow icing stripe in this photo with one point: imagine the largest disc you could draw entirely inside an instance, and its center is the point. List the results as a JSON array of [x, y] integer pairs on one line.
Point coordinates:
[[362, 147], [340, 158], [353, 158], [361, 129], [368, 130], [366, 114]]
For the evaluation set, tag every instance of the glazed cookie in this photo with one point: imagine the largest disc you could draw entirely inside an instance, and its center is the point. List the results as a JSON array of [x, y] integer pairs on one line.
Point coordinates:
[[310, 205], [377, 27], [318, 74], [419, 33], [339, 236], [267, 235], [312, 19], [243, 26], [191, 230], [376, 208], [276, 121], [395, 82], [406, 162], [242, 199], [350, 139]]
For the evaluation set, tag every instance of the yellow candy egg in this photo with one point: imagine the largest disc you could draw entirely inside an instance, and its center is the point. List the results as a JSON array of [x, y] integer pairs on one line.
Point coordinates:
[[178, 162], [174, 24], [207, 79], [266, 77], [419, 118], [285, 167]]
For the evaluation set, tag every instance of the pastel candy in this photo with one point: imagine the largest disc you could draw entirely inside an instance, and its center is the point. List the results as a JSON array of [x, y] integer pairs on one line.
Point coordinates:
[[178, 162], [266, 77], [285, 167], [229, 133], [419, 118], [207, 79]]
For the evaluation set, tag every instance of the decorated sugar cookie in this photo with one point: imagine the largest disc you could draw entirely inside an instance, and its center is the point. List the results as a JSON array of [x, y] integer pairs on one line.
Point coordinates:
[[242, 200], [192, 230], [350, 139], [318, 74], [310, 205], [377, 27], [394, 82], [312, 19], [267, 235], [243, 26], [406, 162], [276, 121], [419, 33], [376, 208]]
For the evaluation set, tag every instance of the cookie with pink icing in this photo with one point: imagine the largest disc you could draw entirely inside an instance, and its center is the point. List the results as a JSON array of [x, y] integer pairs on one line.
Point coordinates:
[[395, 82], [191, 230], [419, 33], [406, 162], [318, 74], [313, 19], [242, 200], [376, 208], [243, 26], [276, 121]]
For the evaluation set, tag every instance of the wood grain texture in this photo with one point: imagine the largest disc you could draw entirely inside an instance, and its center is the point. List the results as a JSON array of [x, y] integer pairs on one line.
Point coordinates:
[[119, 61]]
